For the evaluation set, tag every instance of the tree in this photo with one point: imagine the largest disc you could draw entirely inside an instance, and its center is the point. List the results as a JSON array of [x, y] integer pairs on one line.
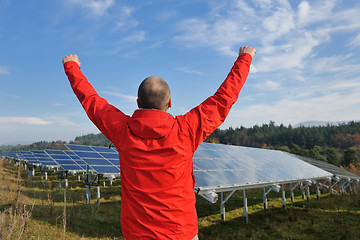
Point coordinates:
[[333, 156], [317, 153], [296, 149], [350, 156]]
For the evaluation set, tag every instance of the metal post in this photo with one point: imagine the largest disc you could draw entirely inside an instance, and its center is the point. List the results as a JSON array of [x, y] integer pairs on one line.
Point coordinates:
[[98, 195], [283, 197], [317, 190], [292, 192], [302, 190], [60, 183], [307, 193], [33, 171], [66, 183], [46, 176], [265, 199], [331, 187], [222, 207], [79, 178], [88, 194], [245, 211], [104, 181], [41, 173]]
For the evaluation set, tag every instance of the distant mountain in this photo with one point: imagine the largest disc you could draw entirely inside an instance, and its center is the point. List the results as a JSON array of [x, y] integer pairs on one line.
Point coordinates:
[[319, 123]]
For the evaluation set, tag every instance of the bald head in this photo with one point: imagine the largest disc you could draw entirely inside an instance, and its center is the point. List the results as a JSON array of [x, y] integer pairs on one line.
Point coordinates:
[[154, 93]]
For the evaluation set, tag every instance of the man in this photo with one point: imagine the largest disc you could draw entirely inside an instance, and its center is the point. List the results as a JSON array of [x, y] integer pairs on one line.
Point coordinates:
[[156, 149]]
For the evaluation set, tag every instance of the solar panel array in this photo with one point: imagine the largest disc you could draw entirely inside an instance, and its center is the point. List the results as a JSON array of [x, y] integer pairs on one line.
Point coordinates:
[[224, 166], [336, 171], [216, 166], [100, 159], [44, 159], [67, 160]]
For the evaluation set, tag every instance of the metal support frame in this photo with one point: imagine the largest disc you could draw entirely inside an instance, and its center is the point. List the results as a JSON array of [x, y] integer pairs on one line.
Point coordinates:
[[283, 196], [245, 209], [347, 184], [306, 187], [222, 204], [43, 172], [292, 188], [337, 180], [92, 180], [111, 178], [31, 170], [273, 187], [302, 190], [318, 190], [63, 175]]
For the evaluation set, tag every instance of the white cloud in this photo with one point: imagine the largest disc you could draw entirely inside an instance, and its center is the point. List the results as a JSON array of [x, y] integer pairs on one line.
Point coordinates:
[[129, 98], [137, 36], [355, 42], [335, 64], [37, 121], [4, 70], [24, 120], [268, 85], [97, 7], [125, 21], [126, 25], [331, 107], [189, 70], [286, 37]]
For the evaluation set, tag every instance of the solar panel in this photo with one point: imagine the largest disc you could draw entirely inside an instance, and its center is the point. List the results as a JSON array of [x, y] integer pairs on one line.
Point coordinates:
[[29, 158], [220, 167], [44, 158], [67, 160], [337, 171], [101, 159]]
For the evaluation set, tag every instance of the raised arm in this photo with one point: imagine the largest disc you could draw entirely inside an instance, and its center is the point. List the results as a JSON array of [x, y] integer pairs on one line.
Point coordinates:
[[209, 115], [105, 116]]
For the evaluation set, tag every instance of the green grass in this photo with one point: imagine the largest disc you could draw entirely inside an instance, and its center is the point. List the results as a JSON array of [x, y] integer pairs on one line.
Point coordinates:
[[35, 210]]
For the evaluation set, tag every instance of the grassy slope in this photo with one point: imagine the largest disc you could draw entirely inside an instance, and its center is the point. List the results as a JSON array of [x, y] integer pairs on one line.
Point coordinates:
[[331, 217]]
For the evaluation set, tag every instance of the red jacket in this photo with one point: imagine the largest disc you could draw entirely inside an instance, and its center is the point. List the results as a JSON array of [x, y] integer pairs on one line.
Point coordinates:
[[155, 151]]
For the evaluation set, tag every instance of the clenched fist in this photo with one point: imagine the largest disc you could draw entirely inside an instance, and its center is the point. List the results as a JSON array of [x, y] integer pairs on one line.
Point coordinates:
[[249, 50], [71, 57]]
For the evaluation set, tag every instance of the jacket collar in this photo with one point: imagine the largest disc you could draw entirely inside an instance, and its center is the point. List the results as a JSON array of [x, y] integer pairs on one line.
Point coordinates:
[[151, 123]]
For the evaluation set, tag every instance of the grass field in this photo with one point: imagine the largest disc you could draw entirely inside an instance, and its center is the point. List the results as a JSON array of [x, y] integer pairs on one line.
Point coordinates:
[[32, 209]]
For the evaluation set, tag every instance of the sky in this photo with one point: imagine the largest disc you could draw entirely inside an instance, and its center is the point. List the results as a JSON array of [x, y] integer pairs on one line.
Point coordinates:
[[307, 66]]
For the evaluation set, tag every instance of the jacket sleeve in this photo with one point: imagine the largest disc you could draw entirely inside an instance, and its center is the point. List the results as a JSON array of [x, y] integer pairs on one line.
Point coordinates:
[[106, 117], [210, 114]]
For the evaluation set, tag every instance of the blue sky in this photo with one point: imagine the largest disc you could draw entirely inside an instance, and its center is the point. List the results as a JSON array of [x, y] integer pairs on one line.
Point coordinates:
[[307, 66]]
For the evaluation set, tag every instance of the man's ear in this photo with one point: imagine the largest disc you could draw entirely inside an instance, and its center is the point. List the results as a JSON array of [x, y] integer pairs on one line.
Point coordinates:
[[170, 103], [138, 103]]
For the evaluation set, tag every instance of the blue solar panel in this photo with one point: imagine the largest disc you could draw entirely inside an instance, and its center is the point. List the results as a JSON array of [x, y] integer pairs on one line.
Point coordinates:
[[88, 154], [29, 157], [103, 160], [44, 158], [114, 156], [106, 169], [103, 149], [67, 160]]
